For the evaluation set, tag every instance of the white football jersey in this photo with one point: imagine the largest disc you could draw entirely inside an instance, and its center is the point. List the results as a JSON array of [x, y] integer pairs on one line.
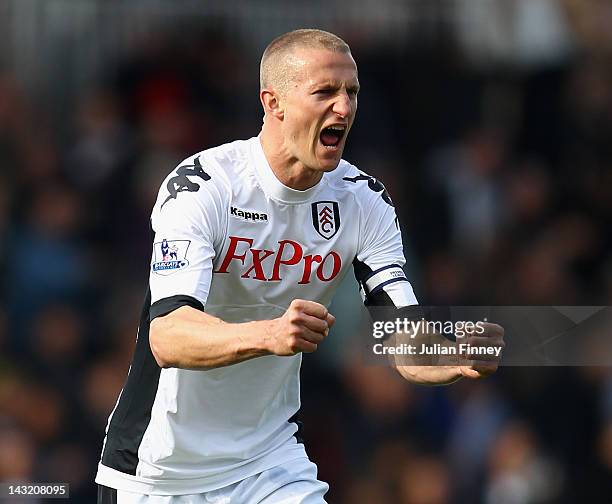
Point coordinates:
[[232, 240]]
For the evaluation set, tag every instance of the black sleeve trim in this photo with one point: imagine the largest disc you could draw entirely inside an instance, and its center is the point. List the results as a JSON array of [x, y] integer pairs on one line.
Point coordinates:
[[166, 305]]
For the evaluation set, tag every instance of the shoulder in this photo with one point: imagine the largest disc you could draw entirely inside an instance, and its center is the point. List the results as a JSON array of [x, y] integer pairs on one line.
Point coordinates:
[[229, 158], [220, 163], [202, 179], [215, 166], [366, 188]]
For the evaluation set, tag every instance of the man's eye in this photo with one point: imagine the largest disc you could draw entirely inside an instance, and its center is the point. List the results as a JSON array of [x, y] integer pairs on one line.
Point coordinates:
[[323, 91]]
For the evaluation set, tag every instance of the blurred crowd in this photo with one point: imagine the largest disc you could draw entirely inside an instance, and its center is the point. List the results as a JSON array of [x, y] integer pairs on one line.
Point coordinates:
[[502, 178]]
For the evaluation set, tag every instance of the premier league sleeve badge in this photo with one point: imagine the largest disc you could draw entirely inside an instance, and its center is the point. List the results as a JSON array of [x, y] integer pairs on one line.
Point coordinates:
[[169, 256]]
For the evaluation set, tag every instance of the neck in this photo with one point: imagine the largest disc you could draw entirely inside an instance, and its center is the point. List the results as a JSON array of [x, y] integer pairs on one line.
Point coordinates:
[[287, 168]]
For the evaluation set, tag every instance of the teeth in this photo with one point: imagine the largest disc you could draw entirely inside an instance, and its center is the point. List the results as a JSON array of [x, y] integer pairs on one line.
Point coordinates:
[[337, 128]]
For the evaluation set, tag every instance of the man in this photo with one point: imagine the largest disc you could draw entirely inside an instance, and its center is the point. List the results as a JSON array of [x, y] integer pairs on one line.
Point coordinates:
[[265, 230]]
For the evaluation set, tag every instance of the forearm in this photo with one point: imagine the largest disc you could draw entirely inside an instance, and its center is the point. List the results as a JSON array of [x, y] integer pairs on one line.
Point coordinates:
[[449, 366], [425, 369], [189, 339]]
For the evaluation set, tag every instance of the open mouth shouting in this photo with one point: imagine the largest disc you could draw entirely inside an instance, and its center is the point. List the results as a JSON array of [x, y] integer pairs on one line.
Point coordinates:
[[332, 136]]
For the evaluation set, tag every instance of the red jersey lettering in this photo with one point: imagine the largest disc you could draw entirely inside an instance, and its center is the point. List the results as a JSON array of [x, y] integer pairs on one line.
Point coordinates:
[[278, 260], [290, 253], [231, 253], [257, 259]]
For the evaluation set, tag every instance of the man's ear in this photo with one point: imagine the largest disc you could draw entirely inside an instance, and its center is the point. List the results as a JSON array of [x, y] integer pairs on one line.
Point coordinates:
[[271, 103]]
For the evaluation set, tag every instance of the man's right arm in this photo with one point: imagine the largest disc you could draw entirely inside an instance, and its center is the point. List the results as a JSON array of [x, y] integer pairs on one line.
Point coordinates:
[[181, 334], [191, 339]]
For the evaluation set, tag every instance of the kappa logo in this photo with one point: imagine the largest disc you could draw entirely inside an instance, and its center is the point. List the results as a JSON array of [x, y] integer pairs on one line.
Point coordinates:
[[169, 256], [180, 182], [248, 215], [326, 218], [374, 184]]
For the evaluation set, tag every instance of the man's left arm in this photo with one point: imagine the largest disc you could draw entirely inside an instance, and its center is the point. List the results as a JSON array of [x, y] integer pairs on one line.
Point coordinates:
[[378, 269]]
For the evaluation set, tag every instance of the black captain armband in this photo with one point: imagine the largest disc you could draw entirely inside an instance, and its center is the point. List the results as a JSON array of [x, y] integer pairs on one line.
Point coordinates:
[[372, 282]]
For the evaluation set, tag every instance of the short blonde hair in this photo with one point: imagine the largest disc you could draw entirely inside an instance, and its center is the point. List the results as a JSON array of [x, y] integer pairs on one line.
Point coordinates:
[[273, 71]]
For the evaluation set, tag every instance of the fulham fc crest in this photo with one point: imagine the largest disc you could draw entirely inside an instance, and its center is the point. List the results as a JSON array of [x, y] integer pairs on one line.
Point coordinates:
[[326, 218]]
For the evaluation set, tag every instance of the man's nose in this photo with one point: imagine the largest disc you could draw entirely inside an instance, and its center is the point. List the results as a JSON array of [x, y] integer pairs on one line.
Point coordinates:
[[342, 105]]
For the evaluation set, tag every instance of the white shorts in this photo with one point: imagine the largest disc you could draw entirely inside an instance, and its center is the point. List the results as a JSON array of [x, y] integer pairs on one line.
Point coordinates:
[[292, 483]]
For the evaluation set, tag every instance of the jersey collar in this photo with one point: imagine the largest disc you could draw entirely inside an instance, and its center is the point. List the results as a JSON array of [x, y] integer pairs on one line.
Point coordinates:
[[271, 185]]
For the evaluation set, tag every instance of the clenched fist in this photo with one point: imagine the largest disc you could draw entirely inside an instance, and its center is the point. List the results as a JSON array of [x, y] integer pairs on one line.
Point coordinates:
[[302, 327]]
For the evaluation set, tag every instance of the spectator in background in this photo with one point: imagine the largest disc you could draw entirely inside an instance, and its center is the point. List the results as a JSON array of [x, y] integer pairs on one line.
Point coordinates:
[[553, 186]]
